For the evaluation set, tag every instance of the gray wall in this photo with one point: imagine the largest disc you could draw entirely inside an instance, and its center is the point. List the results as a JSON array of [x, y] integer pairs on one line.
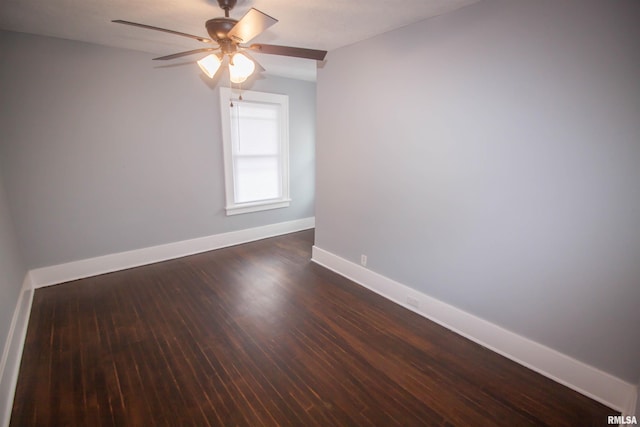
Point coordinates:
[[12, 268], [104, 150], [490, 158]]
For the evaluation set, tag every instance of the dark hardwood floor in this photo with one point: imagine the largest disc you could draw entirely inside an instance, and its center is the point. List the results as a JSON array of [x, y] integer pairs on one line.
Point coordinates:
[[258, 335]]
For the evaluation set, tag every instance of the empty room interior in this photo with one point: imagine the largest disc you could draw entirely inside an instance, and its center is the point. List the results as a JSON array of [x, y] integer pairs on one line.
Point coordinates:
[[265, 212]]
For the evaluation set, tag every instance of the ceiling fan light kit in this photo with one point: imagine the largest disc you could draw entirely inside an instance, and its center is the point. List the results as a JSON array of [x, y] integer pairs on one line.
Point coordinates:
[[240, 68], [229, 34], [209, 65]]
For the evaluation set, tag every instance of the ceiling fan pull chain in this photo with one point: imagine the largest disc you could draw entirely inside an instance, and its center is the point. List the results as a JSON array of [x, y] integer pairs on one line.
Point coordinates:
[[238, 128], [239, 91]]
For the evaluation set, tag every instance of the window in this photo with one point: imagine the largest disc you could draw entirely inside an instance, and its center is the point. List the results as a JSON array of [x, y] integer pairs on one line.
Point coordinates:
[[255, 135]]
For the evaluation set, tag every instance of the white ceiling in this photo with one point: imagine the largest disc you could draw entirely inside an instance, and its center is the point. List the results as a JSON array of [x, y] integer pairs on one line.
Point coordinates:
[[316, 24]]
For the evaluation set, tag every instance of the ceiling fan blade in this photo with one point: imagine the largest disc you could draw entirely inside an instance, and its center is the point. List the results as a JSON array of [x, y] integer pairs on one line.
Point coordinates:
[[188, 52], [252, 23], [297, 52], [164, 30]]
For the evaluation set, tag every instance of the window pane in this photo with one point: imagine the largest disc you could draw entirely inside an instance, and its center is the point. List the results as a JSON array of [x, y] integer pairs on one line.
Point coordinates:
[[254, 128], [256, 178]]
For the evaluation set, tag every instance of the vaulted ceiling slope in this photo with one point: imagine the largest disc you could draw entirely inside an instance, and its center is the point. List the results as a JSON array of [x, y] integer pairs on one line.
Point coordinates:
[[317, 24]]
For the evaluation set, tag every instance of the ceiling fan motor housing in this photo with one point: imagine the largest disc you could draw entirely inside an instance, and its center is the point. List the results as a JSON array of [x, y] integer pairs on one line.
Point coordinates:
[[219, 27]]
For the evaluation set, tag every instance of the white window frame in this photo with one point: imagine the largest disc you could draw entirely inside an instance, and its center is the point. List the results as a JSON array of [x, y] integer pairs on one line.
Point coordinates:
[[227, 96]]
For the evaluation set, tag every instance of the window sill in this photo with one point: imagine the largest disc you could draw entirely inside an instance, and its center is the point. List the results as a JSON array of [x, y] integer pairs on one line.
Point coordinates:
[[257, 206]]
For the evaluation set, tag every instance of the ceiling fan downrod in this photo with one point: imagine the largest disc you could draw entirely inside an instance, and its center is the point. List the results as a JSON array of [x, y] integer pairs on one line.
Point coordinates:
[[227, 5]]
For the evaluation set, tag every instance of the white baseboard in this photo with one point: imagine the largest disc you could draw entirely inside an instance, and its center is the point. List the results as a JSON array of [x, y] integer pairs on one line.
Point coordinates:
[[12, 353], [55, 274], [583, 378]]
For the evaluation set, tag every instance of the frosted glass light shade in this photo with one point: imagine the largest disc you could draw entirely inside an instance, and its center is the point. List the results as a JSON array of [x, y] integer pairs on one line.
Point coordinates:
[[209, 65], [240, 67]]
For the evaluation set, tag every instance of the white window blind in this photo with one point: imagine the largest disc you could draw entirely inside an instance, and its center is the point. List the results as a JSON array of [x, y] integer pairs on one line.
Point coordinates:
[[255, 136]]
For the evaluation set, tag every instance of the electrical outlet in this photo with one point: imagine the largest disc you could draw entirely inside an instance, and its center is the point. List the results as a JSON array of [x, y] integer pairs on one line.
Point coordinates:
[[363, 260], [413, 301]]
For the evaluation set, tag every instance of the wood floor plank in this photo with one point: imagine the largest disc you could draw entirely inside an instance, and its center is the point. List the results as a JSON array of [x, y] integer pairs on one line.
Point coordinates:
[[257, 335]]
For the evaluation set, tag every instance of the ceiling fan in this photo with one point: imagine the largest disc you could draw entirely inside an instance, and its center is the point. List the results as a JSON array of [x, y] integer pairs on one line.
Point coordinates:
[[227, 38]]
